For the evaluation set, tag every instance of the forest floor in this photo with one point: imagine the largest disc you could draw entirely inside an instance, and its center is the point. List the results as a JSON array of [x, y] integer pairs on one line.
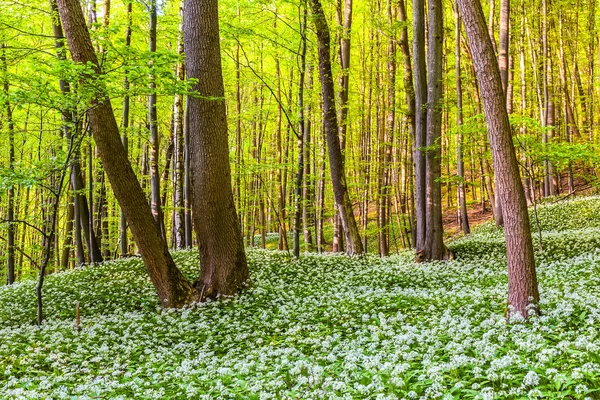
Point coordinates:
[[325, 326]]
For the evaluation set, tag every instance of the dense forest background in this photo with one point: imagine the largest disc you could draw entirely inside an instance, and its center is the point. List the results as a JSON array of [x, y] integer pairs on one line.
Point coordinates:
[[551, 57]]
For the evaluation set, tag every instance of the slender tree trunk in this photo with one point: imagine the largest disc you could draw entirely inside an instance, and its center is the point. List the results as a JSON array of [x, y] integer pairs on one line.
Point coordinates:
[[434, 242], [460, 165], [153, 121], [420, 77], [222, 256], [179, 166], [125, 126], [336, 161], [308, 182], [10, 193], [409, 89], [522, 280], [299, 200], [172, 288]]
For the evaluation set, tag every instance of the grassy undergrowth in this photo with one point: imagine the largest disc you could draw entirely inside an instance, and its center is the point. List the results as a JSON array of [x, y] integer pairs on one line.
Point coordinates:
[[326, 326]]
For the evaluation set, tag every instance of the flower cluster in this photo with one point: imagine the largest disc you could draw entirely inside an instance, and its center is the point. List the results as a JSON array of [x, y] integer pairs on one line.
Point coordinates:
[[322, 327]]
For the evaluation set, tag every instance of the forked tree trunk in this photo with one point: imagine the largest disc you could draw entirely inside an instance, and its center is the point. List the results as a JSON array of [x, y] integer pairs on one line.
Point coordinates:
[[223, 263], [171, 286], [336, 162], [522, 280]]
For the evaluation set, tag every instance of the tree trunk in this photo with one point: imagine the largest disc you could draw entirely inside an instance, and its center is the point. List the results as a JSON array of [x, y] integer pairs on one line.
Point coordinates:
[[460, 165], [222, 256], [153, 121], [172, 288], [125, 126], [434, 242], [336, 162], [420, 77], [10, 193], [522, 281]]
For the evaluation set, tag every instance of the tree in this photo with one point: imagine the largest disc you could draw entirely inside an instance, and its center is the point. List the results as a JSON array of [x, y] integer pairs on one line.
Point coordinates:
[[522, 281], [10, 212], [460, 165], [336, 162], [172, 288], [434, 242], [420, 90], [223, 263]]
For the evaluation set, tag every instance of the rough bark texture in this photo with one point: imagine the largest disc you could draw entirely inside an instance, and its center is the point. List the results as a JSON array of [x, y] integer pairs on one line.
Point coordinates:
[[336, 162], [420, 77], [522, 280], [222, 256], [172, 288], [434, 241]]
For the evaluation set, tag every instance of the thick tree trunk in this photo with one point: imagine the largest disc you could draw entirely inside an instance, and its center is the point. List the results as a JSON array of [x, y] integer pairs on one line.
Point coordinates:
[[336, 162], [172, 288], [522, 281], [222, 256]]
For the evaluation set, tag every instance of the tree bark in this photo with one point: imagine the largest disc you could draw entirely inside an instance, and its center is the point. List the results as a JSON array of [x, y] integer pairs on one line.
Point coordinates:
[[420, 78], [172, 288], [222, 256], [460, 165], [336, 161], [523, 295], [434, 242], [10, 193]]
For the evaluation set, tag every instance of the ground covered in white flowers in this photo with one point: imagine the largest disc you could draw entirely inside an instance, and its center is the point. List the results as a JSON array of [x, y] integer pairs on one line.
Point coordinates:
[[323, 327]]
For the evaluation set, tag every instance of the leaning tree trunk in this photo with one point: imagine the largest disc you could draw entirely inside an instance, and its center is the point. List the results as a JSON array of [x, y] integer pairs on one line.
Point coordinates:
[[336, 162], [434, 241], [223, 263], [171, 286], [522, 280]]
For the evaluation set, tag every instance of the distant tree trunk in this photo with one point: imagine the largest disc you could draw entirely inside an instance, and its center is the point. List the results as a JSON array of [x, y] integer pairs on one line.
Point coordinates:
[[420, 77], [153, 121], [299, 200], [125, 126], [522, 280], [460, 165], [179, 167], [308, 184], [10, 193], [222, 256], [187, 186], [503, 62], [172, 288], [434, 242], [336, 162], [409, 91], [390, 125]]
